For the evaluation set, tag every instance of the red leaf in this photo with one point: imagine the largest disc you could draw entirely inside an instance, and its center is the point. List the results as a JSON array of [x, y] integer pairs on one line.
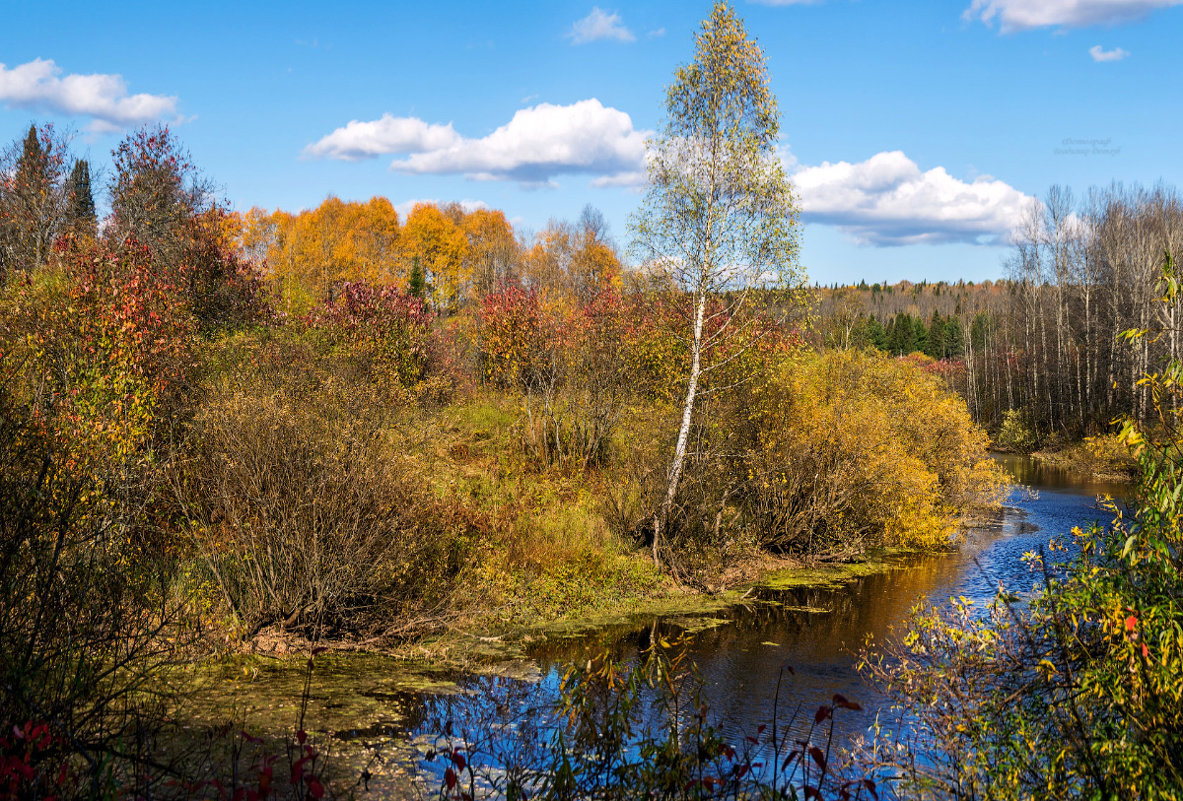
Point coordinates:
[[297, 770], [450, 778], [822, 713], [1130, 623], [301, 736], [818, 756], [315, 788]]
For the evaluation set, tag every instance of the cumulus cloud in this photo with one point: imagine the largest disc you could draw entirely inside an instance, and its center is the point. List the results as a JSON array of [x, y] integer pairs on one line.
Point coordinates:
[[40, 84], [1101, 54], [600, 25], [361, 140], [1021, 15], [536, 145], [888, 200]]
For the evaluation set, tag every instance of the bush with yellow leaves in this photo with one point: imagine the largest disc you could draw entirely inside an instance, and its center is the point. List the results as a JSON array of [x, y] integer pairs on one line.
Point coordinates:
[[848, 450]]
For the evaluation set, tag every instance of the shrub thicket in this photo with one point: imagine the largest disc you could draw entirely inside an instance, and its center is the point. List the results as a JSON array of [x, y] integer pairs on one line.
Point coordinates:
[[852, 450], [305, 516]]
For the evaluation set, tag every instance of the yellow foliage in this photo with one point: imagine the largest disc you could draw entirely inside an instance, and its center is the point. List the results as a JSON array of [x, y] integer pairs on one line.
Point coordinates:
[[492, 249], [306, 253], [571, 262], [861, 450], [441, 248]]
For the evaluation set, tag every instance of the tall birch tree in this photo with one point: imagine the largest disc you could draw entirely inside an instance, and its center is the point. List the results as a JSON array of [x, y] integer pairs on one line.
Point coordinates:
[[719, 219]]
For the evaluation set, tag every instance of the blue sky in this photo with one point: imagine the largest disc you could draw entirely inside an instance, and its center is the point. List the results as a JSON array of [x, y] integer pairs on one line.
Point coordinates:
[[915, 131]]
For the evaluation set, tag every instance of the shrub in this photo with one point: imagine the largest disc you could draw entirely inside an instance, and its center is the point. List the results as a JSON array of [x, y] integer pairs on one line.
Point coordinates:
[[384, 331], [848, 450], [566, 363], [1015, 433], [86, 616], [305, 516]]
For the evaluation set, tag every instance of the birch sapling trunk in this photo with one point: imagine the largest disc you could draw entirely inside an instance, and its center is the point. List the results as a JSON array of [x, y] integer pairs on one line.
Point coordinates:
[[678, 463]]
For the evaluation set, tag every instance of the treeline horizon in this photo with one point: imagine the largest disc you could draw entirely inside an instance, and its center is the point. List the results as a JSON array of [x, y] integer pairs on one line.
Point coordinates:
[[1043, 345]]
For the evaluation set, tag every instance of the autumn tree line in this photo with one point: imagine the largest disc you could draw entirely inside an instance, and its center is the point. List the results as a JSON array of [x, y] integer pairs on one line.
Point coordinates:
[[448, 257], [1042, 350]]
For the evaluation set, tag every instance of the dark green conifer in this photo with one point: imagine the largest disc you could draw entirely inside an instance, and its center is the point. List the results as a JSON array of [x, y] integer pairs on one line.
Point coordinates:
[[417, 284], [81, 218]]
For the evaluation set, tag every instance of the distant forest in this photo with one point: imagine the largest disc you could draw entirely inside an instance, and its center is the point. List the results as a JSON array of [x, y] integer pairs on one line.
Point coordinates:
[[1046, 342]]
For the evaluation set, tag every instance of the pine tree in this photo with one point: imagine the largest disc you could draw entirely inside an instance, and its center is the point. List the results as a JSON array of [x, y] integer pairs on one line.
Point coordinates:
[[80, 217]]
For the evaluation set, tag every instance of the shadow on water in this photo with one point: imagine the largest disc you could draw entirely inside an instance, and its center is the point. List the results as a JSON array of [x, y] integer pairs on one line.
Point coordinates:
[[739, 652]]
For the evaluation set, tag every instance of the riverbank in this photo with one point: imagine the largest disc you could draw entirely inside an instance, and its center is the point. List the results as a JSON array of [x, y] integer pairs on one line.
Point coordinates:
[[1103, 457], [363, 707], [483, 643]]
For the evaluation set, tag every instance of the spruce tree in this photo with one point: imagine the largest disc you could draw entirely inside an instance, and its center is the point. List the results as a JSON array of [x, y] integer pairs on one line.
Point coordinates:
[[418, 283], [81, 218]]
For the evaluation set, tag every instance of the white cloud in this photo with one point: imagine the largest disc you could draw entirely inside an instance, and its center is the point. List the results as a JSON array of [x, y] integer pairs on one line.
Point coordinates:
[[1021, 15], [536, 145], [600, 25], [1101, 54], [40, 84], [887, 200], [389, 134]]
